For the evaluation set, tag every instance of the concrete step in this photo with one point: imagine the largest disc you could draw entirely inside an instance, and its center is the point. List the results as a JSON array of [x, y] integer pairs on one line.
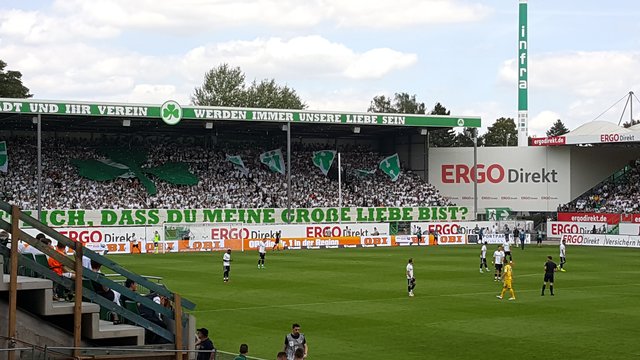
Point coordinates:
[[41, 302], [26, 283], [96, 329]]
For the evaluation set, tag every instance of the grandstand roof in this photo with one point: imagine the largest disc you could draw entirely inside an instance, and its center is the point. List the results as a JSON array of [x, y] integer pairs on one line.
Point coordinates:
[[595, 132], [91, 116], [597, 128]]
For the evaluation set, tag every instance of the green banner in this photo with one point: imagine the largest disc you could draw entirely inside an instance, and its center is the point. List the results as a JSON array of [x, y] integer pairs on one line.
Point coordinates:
[[323, 160], [4, 158], [172, 113], [523, 78], [151, 217], [391, 166]]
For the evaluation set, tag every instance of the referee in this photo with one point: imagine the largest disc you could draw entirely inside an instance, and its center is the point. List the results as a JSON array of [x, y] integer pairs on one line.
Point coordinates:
[[549, 270]]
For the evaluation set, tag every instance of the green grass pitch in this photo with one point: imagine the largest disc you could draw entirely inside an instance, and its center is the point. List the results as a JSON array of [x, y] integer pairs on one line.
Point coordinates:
[[352, 303]]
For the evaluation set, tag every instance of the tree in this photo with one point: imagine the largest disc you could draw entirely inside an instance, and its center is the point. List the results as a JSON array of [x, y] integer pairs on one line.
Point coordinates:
[[381, 104], [465, 138], [442, 137], [11, 84], [267, 94], [630, 123], [557, 129], [225, 86], [502, 131], [402, 103]]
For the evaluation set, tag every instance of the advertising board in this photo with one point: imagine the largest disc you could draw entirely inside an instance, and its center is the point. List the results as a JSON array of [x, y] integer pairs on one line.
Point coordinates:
[[520, 178]]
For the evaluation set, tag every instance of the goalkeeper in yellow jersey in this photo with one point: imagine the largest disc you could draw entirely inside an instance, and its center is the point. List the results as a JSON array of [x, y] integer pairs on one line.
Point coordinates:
[[507, 278]]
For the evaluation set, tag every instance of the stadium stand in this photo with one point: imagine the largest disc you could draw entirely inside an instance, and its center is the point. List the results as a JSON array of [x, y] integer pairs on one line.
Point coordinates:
[[221, 184], [618, 194]]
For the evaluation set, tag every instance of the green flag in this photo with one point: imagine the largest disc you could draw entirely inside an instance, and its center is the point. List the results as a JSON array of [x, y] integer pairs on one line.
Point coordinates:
[[323, 160], [274, 160], [364, 173], [4, 158], [237, 161], [391, 166], [128, 164]]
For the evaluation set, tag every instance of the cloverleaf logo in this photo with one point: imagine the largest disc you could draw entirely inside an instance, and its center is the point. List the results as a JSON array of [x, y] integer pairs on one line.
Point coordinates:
[[171, 112], [460, 122]]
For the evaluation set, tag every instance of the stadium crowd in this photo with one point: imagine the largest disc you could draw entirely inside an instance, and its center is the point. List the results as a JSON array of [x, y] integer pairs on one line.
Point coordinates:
[[221, 184], [621, 195]]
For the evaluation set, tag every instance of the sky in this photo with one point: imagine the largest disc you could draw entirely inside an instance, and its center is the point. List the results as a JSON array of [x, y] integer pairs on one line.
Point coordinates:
[[337, 54]]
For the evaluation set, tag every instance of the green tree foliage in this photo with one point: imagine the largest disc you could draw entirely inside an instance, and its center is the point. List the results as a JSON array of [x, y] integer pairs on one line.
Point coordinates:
[[501, 130], [267, 94], [11, 84], [225, 86], [442, 137], [465, 138], [557, 129], [403, 103]]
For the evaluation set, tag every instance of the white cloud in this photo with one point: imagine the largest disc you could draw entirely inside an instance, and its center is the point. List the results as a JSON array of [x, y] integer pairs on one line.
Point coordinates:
[[70, 20], [540, 123], [587, 82], [403, 13], [306, 57], [82, 71], [349, 99]]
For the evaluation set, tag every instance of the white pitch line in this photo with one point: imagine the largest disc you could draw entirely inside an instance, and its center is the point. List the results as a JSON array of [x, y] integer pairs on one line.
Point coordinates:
[[395, 298]]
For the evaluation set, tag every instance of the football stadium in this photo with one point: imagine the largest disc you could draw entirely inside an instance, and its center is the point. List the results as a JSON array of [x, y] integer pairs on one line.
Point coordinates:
[[184, 231]]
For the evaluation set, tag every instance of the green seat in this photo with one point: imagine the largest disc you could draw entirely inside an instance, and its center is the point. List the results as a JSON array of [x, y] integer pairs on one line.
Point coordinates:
[[105, 314], [25, 271], [133, 307], [42, 260]]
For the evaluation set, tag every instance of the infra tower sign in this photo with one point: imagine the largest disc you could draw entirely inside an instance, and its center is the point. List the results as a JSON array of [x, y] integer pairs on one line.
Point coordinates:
[[523, 78]]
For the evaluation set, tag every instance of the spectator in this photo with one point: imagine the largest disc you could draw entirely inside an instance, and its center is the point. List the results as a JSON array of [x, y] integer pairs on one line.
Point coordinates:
[[204, 345], [60, 292], [155, 317], [225, 186], [244, 350], [4, 237], [57, 266], [103, 290], [33, 250], [131, 285], [619, 195]]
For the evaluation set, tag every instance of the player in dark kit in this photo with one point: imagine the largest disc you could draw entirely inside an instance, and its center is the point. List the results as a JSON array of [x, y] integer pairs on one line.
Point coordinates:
[[276, 246], [549, 270]]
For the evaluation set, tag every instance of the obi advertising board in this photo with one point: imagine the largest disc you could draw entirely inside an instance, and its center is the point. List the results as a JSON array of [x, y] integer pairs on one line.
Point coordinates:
[[520, 178], [247, 237], [626, 241], [214, 237]]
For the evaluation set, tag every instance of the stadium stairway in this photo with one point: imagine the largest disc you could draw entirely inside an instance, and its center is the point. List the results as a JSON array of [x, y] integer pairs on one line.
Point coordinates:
[[43, 321]]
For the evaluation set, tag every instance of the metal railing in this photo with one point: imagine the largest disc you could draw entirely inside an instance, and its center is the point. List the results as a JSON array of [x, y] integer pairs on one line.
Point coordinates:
[[34, 352], [76, 285]]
